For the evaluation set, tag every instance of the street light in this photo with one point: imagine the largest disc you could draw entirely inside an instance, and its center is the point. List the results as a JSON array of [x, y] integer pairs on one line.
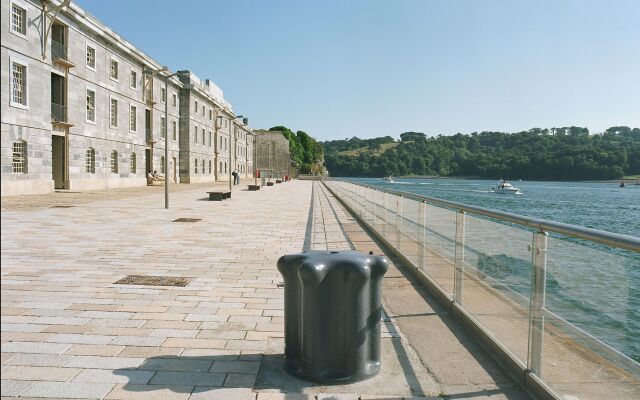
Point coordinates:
[[154, 72], [235, 145]]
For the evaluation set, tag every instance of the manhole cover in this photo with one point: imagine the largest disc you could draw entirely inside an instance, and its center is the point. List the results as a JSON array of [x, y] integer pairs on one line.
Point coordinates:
[[62, 206], [153, 280], [187, 220]]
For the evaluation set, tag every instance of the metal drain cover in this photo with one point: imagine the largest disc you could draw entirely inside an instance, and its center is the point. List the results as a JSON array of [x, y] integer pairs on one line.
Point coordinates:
[[187, 220], [148, 280]]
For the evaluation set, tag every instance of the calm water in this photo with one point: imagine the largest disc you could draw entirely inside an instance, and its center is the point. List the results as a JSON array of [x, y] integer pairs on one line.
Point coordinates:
[[591, 286]]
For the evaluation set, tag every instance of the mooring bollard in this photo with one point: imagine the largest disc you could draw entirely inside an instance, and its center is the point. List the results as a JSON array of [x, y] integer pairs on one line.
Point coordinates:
[[332, 307]]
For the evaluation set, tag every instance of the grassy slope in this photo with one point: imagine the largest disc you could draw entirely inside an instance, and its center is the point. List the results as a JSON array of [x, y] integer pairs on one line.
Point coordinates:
[[356, 152]]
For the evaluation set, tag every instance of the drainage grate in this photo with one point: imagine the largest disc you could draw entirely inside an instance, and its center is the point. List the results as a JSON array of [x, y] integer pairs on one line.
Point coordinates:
[[62, 206], [187, 220], [153, 280]]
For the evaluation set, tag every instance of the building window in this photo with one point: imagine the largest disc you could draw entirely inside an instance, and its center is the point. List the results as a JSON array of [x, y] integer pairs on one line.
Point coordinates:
[[220, 145], [195, 134], [18, 84], [114, 70], [163, 95], [174, 131], [90, 161], [175, 100], [133, 119], [18, 20], [113, 113], [132, 163], [203, 111], [114, 162], [203, 171], [162, 164], [203, 141], [133, 80], [209, 166], [196, 170], [209, 139], [195, 109], [20, 157], [91, 106], [225, 167], [210, 115], [163, 128], [91, 58], [220, 167]]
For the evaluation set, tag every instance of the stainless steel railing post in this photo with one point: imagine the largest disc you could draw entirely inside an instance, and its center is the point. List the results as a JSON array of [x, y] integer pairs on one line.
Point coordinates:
[[422, 227], [537, 303], [458, 266], [399, 221], [386, 214]]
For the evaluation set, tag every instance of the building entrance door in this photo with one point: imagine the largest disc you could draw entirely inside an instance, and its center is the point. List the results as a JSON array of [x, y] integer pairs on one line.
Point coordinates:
[[175, 170], [57, 161], [147, 162]]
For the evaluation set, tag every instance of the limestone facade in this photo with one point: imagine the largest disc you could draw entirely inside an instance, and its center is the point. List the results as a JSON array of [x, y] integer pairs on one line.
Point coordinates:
[[86, 109]]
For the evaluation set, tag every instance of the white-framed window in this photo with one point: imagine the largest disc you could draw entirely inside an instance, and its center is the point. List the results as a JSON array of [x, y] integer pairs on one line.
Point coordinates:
[[114, 162], [113, 112], [162, 164], [163, 95], [91, 106], [163, 128], [195, 109], [196, 167], [113, 70], [175, 100], [133, 163], [90, 160], [18, 20], [174, 130], [19, 88], [203, 141], [195, 134], [91, 58], [133, 80], [209, 139], [133, 119], [20, 157]]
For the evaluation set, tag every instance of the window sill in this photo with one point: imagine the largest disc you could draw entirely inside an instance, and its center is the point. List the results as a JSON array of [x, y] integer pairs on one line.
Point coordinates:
[[18, 105]]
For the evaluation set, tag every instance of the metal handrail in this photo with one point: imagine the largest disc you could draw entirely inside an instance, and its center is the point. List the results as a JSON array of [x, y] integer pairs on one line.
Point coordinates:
[[58, 112], [58, 50], [618, 240]]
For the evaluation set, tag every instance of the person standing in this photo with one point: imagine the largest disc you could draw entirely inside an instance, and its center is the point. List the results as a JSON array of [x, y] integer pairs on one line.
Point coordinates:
[[234, 174]]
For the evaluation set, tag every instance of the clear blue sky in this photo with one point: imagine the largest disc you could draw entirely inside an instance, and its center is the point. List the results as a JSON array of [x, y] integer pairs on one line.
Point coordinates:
[[367, 68]]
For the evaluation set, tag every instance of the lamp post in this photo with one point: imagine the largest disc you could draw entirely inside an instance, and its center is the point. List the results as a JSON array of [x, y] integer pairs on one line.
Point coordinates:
[[232, 129], [155, 72]]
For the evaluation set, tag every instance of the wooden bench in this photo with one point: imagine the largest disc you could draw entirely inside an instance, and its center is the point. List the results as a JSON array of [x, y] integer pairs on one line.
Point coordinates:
[[254, 187], [219, 196]]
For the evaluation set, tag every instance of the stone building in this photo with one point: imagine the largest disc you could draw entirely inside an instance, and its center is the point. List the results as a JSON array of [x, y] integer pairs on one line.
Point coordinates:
[[272, 153], [82, 108]]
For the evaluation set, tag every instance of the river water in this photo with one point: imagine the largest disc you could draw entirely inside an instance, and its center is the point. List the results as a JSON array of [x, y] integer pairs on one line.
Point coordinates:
[[593, 287]]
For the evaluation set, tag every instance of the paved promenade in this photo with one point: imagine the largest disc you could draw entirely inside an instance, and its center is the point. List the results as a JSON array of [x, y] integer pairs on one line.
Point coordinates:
[[68, 331]]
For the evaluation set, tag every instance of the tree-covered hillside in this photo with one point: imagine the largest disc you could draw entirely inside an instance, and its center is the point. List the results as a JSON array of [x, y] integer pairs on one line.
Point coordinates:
[[569, 153], [306, 153]]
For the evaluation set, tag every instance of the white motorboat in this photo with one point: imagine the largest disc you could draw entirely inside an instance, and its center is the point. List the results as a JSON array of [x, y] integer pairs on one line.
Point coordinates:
[[505, 187], [388, 179]]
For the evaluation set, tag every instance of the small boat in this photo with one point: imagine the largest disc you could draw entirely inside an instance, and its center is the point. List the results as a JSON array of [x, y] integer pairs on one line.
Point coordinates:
[[505, 187], [622, 184], [388, 179]]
